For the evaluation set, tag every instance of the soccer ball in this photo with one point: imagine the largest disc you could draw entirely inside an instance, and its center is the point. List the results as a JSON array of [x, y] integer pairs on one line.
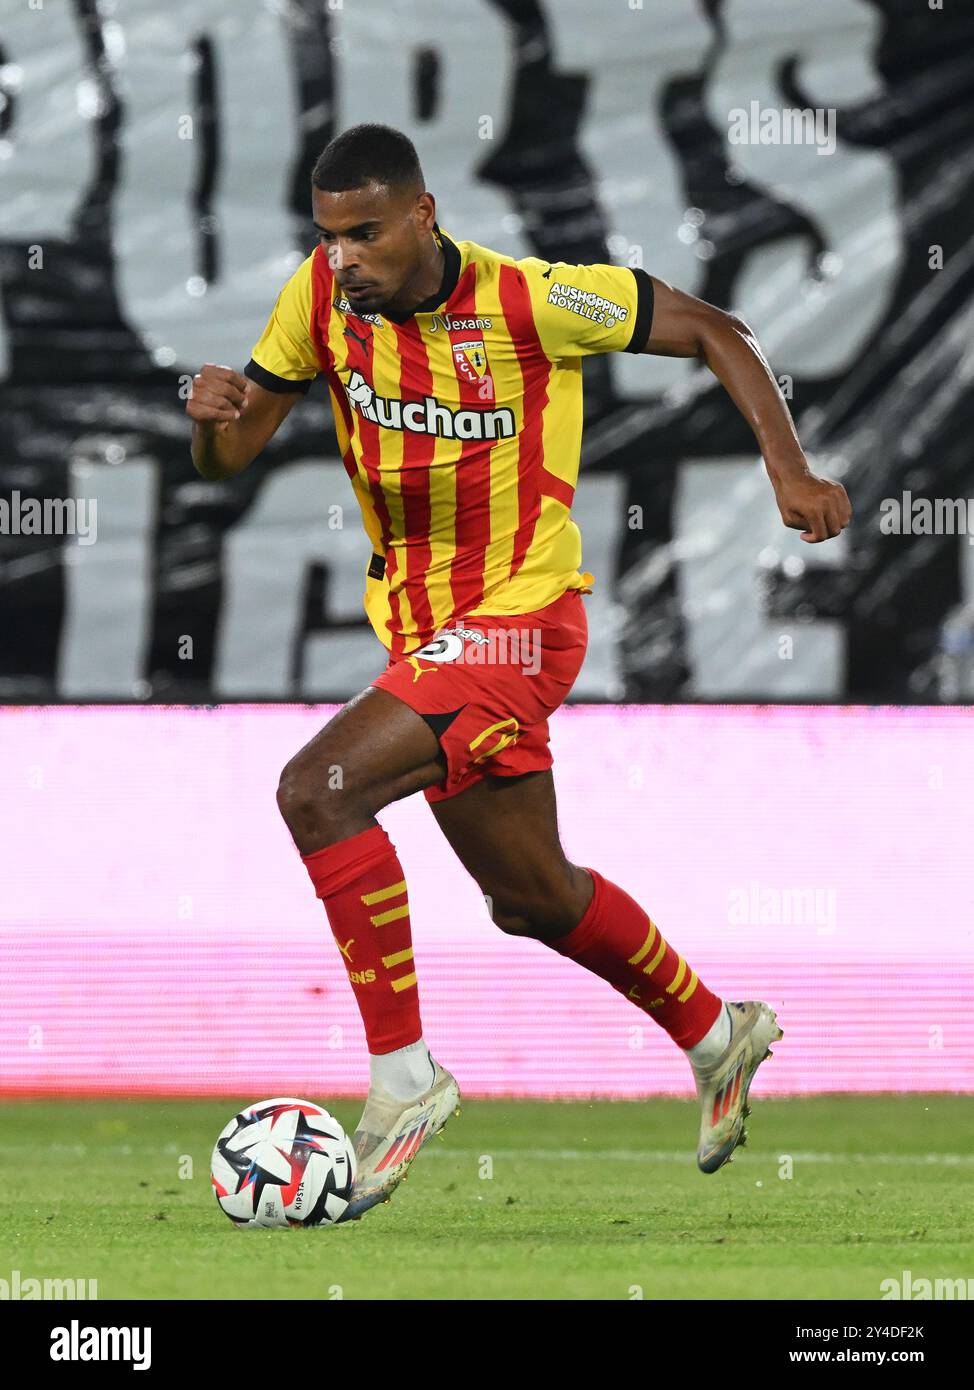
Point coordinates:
[[283, 1162]]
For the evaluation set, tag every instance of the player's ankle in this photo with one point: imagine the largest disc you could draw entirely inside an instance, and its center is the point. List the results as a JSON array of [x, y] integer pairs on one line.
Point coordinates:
[[405, 1074], [713, 1044]]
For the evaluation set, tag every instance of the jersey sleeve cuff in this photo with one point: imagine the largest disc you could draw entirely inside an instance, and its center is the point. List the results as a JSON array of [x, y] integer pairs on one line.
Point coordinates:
[[280, 384], [644, 312]]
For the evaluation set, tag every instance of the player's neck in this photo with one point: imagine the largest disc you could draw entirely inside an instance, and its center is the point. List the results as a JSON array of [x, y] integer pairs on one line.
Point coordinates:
[[427, 280]]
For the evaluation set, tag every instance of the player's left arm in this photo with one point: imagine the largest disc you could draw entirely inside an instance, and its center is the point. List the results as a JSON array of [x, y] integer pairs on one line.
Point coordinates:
[[683, 326]]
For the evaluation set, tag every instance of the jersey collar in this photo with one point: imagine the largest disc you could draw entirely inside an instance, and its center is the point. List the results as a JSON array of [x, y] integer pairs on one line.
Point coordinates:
[[451, 274]]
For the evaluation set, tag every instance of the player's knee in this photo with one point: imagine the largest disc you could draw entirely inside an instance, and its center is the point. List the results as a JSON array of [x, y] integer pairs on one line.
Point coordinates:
[[308, 795], [295, 794]]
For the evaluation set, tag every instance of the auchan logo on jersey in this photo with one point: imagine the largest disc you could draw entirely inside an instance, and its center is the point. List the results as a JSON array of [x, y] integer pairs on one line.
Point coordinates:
[[427, 416]]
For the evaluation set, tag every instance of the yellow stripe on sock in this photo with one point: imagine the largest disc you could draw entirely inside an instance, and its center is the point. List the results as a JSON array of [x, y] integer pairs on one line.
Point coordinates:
[[404, 982], [380, 895], [634, 960], [677, 979], [648, 969], [392, 915], [398, 958], [689, 989]]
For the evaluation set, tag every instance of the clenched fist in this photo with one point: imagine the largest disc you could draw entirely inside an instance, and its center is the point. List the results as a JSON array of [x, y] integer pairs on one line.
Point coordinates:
[[818, 507], [217, 396]]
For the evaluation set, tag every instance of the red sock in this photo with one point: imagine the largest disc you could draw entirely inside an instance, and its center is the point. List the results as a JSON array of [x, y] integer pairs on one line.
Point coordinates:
[[363, 888], [616, 940]]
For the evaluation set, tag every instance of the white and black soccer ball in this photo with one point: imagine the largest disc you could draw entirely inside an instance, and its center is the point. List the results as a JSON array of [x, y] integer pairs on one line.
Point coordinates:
[[283, 1162]]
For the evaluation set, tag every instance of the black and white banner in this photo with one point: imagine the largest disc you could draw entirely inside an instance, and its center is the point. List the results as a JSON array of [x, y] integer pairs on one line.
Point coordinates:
[[809, 166]]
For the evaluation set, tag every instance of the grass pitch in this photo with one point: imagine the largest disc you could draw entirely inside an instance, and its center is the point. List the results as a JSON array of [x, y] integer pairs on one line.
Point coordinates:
[[517, 1200]]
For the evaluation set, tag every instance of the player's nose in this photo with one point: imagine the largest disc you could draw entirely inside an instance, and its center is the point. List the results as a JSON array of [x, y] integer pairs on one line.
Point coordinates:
[[345, 257]]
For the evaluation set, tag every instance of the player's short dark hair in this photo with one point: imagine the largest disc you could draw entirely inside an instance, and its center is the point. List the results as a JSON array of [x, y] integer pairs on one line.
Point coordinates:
[[365, 154]]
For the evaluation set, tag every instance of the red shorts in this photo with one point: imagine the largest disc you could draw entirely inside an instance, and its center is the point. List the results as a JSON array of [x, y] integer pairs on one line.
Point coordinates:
[[486, 686]]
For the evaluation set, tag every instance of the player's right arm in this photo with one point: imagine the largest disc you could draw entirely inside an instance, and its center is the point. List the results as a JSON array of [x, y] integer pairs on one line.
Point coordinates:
[[235, 415], [233, 418]]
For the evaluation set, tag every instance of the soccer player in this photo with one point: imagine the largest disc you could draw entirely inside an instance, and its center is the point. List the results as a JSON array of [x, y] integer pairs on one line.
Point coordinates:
[[455, 381]]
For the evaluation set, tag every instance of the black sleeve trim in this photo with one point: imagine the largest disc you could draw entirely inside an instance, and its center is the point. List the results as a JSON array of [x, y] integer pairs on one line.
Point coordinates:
[[644, 312], [282, 385]]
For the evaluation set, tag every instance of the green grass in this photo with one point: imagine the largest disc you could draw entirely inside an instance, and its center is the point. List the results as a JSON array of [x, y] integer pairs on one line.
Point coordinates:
[[585, 1202]]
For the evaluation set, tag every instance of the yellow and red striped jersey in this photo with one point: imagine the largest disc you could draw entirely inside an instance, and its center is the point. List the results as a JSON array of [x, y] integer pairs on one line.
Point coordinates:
[[459, 424]]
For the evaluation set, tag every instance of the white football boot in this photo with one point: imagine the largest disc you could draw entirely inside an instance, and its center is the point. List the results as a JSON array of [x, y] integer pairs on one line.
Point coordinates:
[[391, 1133], [723, 1086]]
